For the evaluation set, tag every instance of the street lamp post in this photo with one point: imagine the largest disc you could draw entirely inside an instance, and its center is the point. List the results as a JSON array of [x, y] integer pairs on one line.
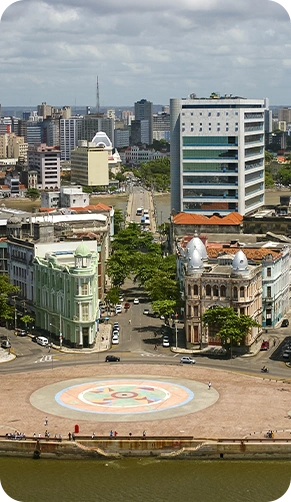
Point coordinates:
[[60, 330]]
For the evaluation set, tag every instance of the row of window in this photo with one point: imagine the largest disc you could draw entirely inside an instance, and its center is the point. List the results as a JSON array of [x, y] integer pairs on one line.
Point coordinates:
[[215, 291], [209, 114]]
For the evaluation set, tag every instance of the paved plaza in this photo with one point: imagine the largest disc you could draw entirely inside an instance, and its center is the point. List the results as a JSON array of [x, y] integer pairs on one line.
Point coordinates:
[[129, 398]]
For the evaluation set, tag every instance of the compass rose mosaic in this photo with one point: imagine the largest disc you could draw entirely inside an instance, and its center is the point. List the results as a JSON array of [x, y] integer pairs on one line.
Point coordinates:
[[123, 399], [124, 396]]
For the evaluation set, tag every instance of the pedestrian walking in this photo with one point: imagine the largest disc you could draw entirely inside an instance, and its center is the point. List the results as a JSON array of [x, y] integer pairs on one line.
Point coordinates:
[[46, 421], [115, 433], [209, 385], [111, 433], [274, 342], [129, 321], [73, 436], [144, 434], [69, 436]]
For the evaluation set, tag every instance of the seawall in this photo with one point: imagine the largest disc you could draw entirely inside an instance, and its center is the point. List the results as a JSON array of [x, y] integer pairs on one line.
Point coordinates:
[[166, 448]]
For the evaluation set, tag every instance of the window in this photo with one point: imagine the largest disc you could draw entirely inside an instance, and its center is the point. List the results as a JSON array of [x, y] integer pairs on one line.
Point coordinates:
[[209, 114], [223, 291], [215, 291], [235, 293], [242, 292], [195, 310], [85, 312], [85, 289], [218, 114], [189, 290], [269, 272], [195, 290], [269, 292], [208, 290]]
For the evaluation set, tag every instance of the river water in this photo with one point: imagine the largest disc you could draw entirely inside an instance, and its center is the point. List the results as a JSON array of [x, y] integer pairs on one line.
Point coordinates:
[[144, 480]]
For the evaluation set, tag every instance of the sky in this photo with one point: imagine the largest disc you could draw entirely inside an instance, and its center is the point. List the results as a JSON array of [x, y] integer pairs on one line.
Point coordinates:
[[54, 50]]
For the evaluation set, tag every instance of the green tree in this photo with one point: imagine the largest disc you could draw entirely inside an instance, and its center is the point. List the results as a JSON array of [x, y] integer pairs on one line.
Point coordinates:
[[113, 295], [118, 220], [33, 193], [26, 319], [164, 307], [6, 289], [228, 325]]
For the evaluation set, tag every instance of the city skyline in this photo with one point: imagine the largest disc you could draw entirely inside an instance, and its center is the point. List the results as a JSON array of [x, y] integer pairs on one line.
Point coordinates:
[[53, 51]]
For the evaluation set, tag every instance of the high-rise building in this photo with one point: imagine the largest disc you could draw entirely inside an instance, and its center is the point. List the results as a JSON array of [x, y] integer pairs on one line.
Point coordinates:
[[217, 155], [46, 160], [70, 133], [143, 110], [91, 124], [139, 132]]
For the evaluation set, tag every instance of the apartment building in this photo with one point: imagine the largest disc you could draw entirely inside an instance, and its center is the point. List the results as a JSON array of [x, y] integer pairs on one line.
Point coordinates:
[[46, 161]]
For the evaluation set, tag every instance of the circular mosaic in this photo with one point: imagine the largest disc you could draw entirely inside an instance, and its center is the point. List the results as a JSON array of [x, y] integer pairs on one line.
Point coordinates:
[[123, 399], [124, 396]]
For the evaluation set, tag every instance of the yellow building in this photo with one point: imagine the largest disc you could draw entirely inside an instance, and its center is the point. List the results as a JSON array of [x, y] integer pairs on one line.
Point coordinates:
[[89, 164]]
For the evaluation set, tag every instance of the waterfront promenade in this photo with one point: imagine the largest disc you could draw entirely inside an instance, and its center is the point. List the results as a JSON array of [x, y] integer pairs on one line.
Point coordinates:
[[238, 406]]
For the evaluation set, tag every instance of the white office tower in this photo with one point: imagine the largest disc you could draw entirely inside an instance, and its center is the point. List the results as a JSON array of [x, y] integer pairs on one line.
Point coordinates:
[[70, 133], [217, 155]]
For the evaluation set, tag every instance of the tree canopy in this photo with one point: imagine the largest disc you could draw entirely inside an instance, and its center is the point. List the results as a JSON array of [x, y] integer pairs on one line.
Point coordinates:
[[229, 326], [135, 254]]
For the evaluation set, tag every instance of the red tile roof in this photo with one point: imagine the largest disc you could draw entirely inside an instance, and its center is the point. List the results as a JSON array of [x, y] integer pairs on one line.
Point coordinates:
[[200, 219]]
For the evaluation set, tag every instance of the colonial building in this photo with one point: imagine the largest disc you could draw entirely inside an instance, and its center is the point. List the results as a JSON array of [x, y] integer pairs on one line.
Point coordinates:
[[231, 282], [66, 294]]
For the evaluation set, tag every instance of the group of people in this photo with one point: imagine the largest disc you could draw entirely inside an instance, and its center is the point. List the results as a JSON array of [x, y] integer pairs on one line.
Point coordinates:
[[270, 434], [15, 435], [114, 434]]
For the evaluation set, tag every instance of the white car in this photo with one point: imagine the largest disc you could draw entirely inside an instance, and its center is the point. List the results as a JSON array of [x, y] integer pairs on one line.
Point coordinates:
[[42, 340], [115, 340], [136, 301], [116, 326], [118, 309], [166, 341], [187, 360]]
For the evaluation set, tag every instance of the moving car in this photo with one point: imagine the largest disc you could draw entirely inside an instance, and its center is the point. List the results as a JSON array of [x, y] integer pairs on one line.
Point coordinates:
[[136, 301], [187, 360], [265, 345], [146, 311], [5, 344], [112, 359], [42, 340], [284, 323], [166, 341], [127, 305]]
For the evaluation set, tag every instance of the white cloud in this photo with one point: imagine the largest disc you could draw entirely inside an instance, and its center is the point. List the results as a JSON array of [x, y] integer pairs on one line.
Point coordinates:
[[53, 50]]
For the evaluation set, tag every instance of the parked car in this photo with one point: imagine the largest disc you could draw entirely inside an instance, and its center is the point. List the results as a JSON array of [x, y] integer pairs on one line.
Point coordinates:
[[42, 340], [284, 323], [116, 326], [118, 309], [115, 333], [146, 311], [187, 360], [21, 332], [286, 354], [112, 359], [115, 340], [265, 345], [5, 344], [136, 301]]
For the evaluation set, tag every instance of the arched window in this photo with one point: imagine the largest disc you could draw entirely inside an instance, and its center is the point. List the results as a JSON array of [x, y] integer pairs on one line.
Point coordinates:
[[189, 290], [208, 290], [215, 290], [242, 292], [195, 289], [223, 291], [235, 292]]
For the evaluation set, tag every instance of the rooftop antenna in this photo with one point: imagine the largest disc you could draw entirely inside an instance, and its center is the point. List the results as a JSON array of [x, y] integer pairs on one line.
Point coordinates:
[[97, 97]]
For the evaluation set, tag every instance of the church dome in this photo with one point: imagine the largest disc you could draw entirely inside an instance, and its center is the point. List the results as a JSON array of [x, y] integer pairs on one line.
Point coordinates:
[[195, 262], [240, 262], [82, 250], [197, 244]]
